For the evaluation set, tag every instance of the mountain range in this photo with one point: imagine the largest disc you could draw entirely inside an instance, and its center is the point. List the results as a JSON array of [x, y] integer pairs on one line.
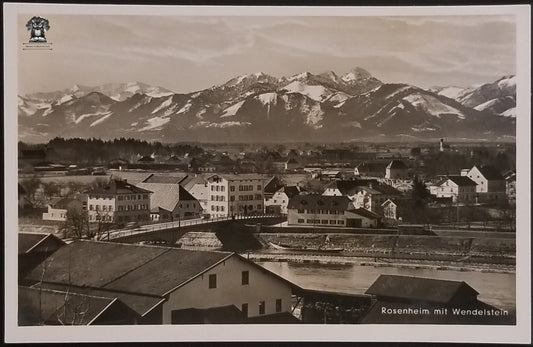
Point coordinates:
[[261, 108]]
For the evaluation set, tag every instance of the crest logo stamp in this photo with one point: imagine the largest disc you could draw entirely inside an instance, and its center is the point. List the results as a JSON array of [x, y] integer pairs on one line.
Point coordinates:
[[38, 26]]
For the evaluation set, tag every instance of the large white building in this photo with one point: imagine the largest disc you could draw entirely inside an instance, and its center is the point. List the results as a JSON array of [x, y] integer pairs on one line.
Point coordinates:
[[118, 202], [235, 194], [460, 189], [490, 184], [163, 285]]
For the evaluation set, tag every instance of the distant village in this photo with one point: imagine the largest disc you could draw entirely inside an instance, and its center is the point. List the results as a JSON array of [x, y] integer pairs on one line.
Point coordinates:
[[68, 206]]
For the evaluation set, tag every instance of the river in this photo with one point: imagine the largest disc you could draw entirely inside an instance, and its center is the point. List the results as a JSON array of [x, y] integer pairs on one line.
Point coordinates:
[[496, 289]]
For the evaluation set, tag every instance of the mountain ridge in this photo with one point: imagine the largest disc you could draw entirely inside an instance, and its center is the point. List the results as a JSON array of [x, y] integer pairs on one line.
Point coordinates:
[[259, 107]]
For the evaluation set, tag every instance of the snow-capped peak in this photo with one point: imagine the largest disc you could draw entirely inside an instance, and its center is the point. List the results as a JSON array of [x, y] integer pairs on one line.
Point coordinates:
[[356, 74]]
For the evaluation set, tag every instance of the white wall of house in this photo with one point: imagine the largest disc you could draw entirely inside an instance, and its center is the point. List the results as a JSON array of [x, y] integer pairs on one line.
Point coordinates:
[[218, 196], [119, 208], [246, 192], [484, 185], [305, 217], [365, 221], [230, 290], [56, 214], [278, 199], [201, 192], [449, 189]]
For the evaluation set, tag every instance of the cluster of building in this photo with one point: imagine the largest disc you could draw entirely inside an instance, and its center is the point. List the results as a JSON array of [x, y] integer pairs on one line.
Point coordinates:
[[105, 283], [480, 184]]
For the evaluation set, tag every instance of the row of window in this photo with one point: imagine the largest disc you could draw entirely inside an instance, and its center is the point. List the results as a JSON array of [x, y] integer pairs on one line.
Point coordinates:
[[320, 221], [104, 208], [248, 197], [104, 218], [246, 188], [245, 279], [139, 207], [132, 197], [320, 211], [217, 208], [218, 198], [217, 188]]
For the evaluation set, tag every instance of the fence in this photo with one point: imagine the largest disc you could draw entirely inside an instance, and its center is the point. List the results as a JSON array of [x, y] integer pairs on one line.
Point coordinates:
[[113, 234]]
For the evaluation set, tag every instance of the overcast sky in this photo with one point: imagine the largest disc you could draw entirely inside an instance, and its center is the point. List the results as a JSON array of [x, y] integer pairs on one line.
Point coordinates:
[[186, 54]]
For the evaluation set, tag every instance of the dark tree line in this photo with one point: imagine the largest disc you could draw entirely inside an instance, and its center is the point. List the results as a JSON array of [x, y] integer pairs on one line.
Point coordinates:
[[95, 151]]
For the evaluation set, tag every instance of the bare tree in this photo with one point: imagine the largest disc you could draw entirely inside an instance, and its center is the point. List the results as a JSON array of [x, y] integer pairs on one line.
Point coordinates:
[[76, 223]]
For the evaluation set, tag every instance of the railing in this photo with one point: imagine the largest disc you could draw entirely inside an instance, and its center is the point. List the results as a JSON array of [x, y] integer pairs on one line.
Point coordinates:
[[113, 234]]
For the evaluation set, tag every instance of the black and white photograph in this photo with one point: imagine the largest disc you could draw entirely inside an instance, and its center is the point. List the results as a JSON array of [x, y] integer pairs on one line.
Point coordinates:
[[267, 173]]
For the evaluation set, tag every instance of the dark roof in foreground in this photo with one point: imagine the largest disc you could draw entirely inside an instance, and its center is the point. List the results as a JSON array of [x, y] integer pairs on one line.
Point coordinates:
[[320, 202], [58, 307], [141, 304], [419, 289], [214, 315], [135, 269], [30, 241]]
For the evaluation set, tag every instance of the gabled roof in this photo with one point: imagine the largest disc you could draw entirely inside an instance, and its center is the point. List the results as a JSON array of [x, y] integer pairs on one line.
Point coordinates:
[[291, 191], [165, 195], [420, 289], [272, 185], [461, 181], [31, 241], [55, 307], [320, 202], [134, 269], [190, 181], [389, 201], [164, 179], [118, 187], [347, 187], [141, 304], [490, 172], [397, 165]]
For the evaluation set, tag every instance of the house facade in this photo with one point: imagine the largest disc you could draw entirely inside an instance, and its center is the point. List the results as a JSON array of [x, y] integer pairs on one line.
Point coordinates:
[[197, 186], [158, 283], [235, 194], [118, 202], [460, 189], [170, 202], [396, 169], [280, 200], [490, 183], [57, 208]]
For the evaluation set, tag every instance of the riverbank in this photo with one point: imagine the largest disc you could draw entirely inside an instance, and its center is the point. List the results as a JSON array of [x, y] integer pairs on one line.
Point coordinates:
[[266, 256]]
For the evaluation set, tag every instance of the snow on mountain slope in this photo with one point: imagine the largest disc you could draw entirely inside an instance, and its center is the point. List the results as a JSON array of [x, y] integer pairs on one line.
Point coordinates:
[[317, 93], [232, 110], [155, 123], [432, 105], [511, 112], [451, 92]]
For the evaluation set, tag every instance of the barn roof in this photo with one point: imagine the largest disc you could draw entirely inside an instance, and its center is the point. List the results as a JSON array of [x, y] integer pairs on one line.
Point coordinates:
[[29, 241], [134, 269], [419, 289], [397, 165], [54, 307]]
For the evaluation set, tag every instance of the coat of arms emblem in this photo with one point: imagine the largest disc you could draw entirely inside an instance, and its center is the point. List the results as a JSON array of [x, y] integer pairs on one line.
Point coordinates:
[[37, 27]]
